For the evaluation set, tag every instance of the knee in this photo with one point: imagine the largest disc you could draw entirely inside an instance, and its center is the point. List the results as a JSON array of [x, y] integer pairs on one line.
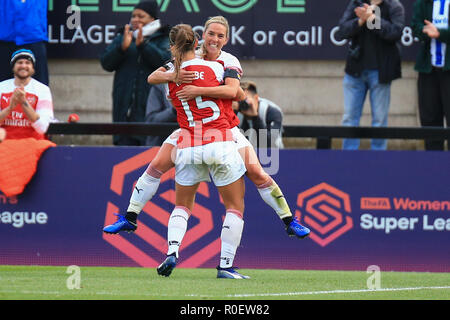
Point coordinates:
[[162, 164], [257, 175], [235, 205], [157, 164], [188, 204]]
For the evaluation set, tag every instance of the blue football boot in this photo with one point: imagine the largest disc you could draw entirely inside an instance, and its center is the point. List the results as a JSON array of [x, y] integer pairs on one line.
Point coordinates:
[[295, 229], [166, 268], [230, 273], [121, 224]]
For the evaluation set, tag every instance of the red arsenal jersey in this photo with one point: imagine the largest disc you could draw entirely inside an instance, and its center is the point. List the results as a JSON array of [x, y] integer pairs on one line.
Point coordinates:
[[202, 120], [16, 124]]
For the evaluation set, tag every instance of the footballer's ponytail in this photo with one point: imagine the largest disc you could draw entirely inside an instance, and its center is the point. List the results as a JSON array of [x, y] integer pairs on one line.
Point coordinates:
[[182, 40]]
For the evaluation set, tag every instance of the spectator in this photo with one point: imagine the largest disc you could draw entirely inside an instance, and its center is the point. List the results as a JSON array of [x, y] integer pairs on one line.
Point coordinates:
[[430, 25], [138, 50], [374, 29], [258, 113], [24, 25], [159, 109], [26, 104]]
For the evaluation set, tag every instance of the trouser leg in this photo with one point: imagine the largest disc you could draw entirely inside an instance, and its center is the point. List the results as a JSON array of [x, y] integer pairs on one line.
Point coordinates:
[[355, 90], [380, 100], [430, 106]]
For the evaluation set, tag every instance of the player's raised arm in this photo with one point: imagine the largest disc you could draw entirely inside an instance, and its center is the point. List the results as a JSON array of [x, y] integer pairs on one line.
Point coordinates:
[[240, 95], [160, 75], [227, 91], [165, 74]]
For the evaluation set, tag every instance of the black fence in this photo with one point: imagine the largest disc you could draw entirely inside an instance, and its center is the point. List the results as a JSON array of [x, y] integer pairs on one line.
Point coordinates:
[[324, 134]]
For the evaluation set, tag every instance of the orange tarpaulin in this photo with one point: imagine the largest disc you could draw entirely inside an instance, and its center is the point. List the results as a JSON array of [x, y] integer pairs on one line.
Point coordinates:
[[18, 163]]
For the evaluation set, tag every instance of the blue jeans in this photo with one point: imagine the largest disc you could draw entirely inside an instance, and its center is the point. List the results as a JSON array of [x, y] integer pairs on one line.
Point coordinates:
[[355, 91]]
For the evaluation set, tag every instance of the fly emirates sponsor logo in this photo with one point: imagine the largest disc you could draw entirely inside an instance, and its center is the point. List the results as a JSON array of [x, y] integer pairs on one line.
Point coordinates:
[[18, 219], [406, 214]]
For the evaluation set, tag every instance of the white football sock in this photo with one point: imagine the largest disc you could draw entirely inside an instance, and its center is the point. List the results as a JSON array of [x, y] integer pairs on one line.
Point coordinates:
[[176, 228], [145, 189], [271, 193], [231, 234]]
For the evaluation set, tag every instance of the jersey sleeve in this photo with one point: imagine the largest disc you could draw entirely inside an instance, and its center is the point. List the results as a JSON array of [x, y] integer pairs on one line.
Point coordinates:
[[169, 65], [218, 71], [232, 64], [44, 109]]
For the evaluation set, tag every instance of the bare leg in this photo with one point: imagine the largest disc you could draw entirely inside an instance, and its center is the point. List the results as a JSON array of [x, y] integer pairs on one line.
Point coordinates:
[[177, 226]]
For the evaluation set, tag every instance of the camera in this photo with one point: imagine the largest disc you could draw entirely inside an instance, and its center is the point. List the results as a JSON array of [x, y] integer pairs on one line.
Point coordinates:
[[354, 52], [243, 105], [354, 49]]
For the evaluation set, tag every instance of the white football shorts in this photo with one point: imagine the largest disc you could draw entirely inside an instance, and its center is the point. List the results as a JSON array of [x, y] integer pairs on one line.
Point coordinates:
[[173, 138], [240, 139], [221, 160]]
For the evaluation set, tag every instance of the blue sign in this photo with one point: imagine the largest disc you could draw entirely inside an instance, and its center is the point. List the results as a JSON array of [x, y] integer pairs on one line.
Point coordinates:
[[363, 207]]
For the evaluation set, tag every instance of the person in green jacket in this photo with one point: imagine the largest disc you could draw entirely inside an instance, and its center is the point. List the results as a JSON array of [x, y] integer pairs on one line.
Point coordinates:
[[137, 50], [430, 25]]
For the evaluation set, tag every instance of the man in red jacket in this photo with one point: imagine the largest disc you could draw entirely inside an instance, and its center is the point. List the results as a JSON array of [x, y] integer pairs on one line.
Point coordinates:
[[26, 107]]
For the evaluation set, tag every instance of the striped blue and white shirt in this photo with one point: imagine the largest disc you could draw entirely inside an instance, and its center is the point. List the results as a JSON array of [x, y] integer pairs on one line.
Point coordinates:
[[440, 20]]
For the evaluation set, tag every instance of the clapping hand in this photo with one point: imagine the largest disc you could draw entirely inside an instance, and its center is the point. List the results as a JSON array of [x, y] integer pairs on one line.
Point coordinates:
[[127, 37], [363, 13], [18, 96], [430, 30], [140, 37]]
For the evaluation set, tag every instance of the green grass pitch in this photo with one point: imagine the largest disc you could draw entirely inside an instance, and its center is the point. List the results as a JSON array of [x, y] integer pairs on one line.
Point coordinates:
[[108, 283]]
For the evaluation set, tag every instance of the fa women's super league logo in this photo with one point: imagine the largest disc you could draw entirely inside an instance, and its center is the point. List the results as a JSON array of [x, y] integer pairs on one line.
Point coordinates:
[[326, 211]]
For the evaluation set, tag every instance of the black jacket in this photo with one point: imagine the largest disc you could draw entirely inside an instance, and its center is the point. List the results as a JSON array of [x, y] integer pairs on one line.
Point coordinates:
[[387, 39], [130, 87]]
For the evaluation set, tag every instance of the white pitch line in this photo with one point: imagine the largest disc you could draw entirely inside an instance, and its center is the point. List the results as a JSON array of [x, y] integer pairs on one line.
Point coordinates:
[[300, 293], [249, 295]]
